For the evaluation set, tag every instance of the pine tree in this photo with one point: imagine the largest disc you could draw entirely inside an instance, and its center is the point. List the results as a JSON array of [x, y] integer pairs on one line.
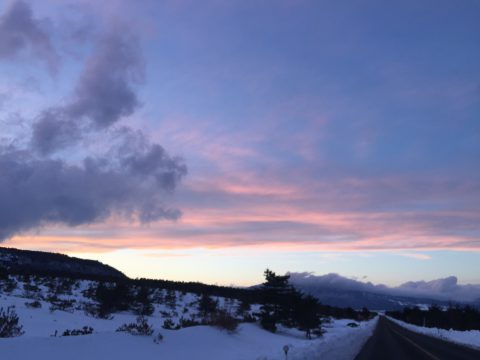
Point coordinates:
[[206, 306], [274, 305], [243, 308], [112, 298], [171, 299], [307, 314], [143, 301]]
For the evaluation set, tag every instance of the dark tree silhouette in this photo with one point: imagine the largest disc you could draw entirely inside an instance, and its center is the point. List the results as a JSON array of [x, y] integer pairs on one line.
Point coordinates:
[[143, 301], [171, 299], [307, 314], [283, 304], [454, 317], [112, 298], [206, 306], [275, 291]]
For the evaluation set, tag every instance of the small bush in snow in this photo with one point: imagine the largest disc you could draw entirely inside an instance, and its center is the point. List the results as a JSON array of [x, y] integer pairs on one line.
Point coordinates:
[[63, 305], [268, 322], [9, 285], [34, 304], [30, 290], [352, 324], [188, 322], [158, 338], [86, 330], [224, 320], [140, 327], [168, 324], [9, 326], [318, 332], [92, 310]]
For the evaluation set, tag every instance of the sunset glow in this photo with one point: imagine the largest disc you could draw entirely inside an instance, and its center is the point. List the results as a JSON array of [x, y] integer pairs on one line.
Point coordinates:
[[296, 135]]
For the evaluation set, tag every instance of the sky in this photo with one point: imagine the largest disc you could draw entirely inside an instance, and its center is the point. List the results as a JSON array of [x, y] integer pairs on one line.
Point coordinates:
[[209, 140]]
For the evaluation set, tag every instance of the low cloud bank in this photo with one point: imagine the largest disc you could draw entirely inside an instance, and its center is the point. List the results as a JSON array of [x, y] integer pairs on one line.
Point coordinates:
[[440, 289]]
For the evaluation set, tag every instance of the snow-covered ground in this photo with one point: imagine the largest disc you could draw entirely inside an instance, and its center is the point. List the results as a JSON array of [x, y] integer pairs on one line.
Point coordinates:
[[248, 341], [468, 338], [340, 342]]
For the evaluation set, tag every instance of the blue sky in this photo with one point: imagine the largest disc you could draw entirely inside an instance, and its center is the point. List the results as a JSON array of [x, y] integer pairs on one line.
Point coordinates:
[[318, 136]]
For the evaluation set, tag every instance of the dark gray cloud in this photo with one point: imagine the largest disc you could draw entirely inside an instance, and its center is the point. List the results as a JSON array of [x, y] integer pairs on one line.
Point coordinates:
[[442, 289], [104, 93], [54, 130], [20, 31], [38, 191]]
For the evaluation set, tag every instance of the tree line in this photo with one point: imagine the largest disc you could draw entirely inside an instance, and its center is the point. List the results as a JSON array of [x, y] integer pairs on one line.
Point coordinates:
[[454, 317]]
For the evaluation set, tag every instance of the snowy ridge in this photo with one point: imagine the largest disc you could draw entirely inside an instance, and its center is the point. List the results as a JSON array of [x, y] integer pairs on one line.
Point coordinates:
[[39, 262]]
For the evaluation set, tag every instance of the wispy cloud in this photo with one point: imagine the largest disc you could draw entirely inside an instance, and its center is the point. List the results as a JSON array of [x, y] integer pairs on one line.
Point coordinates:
[[416, 256]]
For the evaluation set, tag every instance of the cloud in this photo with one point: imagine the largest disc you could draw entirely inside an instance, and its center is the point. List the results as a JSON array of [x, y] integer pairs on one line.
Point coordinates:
[[104, 94], [124, 175], [446, 288], [54, 130], [21, 32], [441, 289], [416, 256], [333, 280], [37, 192]]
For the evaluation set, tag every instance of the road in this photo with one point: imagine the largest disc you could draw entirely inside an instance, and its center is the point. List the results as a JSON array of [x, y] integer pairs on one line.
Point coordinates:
[[393, 342]]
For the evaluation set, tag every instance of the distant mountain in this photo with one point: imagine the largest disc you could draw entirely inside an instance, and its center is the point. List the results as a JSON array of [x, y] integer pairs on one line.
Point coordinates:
[[45, 263], [336, 290], [360, 299]]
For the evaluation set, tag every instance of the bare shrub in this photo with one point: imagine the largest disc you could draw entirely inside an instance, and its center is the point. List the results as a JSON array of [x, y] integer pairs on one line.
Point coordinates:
[[86, 330], [225, 321], [9, 326], [140, 327]]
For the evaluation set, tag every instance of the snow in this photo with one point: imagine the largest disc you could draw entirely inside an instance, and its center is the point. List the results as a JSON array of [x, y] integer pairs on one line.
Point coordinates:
[[340, 342], [248, 342], [468, 338], [199, 342]]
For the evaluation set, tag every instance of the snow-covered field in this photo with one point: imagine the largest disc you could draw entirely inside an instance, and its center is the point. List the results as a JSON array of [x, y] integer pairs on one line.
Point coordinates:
[[469, 338], [248, 341]]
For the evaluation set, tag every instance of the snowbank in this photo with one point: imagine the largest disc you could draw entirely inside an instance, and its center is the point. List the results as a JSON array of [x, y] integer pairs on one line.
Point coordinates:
[[469, 338], [340, 342]]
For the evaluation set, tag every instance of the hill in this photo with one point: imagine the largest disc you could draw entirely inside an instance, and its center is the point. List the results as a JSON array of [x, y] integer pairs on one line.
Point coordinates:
[[17, 261]]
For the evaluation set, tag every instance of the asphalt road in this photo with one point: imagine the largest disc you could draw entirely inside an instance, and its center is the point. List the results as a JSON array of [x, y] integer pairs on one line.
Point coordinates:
[[392, 342]]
